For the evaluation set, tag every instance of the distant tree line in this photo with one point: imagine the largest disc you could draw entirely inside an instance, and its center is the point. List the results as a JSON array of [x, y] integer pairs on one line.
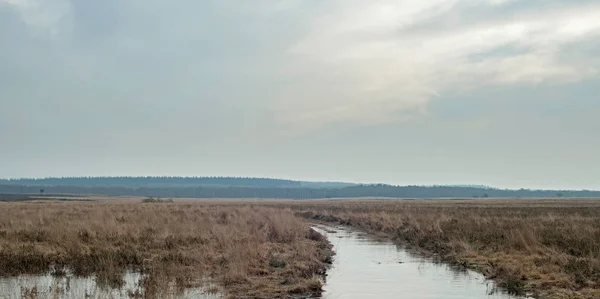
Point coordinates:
[[378, 190], [154, 181]]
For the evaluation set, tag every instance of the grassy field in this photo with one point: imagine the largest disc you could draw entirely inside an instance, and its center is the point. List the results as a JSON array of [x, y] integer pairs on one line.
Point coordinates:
[[547, 247], [265, 249], [248, 251]]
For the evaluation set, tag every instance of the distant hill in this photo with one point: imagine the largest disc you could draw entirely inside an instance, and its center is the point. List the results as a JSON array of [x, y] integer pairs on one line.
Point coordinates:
[[169, 182], [227, 187], [468, 186], [328, 185]]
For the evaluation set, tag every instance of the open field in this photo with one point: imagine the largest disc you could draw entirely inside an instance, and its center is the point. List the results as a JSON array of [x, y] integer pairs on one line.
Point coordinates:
[[548, 247], [263, 248], [259, 252]]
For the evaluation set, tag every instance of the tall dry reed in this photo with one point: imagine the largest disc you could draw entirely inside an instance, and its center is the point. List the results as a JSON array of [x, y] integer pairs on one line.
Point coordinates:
[[256, 252]]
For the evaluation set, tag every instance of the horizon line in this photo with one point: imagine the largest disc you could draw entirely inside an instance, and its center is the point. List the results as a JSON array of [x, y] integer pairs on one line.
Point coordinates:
[[462, 185]]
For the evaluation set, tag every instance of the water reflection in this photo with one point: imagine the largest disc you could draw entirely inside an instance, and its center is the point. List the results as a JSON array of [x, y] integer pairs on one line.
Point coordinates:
[[69, 286], [364, 268]]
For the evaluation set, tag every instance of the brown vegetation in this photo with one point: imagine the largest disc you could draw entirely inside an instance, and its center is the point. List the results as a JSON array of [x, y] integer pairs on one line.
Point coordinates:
[[260, 250], [254, 252], [550, 248]]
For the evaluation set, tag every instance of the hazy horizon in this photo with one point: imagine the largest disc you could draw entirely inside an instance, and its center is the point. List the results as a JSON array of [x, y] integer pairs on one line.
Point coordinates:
[[501, 93], [299, 180]]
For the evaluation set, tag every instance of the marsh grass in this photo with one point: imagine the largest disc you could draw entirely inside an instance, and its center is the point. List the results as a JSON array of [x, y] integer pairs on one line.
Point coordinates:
[[157, 200], [255, 252], [547, 247]]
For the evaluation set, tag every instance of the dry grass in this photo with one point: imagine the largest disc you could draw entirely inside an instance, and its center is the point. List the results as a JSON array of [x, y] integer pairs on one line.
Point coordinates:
[[257, 248], [548, 247], [254, 252]]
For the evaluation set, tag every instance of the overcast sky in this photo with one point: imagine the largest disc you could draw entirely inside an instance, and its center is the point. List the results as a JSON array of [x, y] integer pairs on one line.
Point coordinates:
[[497, 92]]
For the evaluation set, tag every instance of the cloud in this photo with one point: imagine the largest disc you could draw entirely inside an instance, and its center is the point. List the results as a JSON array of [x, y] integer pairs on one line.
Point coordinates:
[[394, 55], [271, 65], [47, 16]]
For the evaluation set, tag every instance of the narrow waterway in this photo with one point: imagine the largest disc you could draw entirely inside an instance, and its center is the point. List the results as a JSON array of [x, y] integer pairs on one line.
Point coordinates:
[[366, 268]]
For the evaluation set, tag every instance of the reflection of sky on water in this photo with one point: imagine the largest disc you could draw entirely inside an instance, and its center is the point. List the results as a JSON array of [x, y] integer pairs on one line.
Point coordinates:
[[69, 287], [364, 268]]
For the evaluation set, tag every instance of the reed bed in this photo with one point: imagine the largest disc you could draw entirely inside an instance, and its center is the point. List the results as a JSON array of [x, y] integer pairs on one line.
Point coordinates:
[[247, 251]]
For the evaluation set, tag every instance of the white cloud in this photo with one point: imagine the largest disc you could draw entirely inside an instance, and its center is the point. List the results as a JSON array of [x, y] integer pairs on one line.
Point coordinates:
[[305, 64], [378, 65]]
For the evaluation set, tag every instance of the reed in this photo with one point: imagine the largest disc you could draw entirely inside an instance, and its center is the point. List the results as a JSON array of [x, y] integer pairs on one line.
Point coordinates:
[[249, 251]]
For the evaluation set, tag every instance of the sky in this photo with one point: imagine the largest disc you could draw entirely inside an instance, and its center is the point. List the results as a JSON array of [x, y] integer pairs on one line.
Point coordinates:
[[496, 92]]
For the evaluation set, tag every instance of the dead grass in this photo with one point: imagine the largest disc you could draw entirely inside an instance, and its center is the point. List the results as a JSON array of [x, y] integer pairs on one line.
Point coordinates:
[[249, 251], [258, 249], [548, 247]]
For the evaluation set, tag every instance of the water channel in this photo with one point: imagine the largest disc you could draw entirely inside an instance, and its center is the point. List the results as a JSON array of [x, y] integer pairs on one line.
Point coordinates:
[[368, 268]]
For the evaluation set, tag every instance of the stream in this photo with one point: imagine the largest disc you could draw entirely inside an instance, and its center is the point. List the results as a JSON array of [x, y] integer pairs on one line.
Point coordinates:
[[368, 268]]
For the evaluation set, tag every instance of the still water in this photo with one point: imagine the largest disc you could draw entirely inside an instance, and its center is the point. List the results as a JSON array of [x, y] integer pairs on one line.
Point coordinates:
[[48, 286], [365, 268]]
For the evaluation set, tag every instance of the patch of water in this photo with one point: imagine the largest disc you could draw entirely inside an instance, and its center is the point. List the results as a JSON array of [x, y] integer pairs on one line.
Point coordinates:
[[69, 286], [365, 268]]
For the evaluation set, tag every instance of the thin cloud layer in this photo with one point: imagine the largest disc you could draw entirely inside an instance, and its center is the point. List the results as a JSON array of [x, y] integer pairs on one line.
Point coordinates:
[[393, 91], [303, 63], [393, 54]]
